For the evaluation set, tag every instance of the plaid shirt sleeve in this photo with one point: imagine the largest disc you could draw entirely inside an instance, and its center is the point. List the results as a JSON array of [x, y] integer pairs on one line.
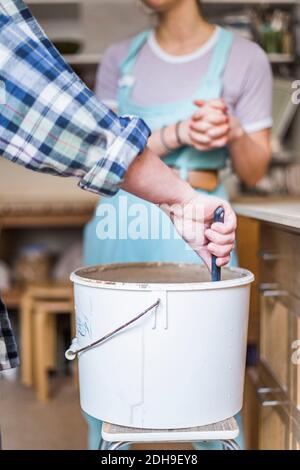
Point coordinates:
[[51, 122], [8, 348]]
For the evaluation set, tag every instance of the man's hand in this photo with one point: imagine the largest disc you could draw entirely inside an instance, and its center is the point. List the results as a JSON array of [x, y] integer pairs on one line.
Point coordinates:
[[192, 215], [193, 220]]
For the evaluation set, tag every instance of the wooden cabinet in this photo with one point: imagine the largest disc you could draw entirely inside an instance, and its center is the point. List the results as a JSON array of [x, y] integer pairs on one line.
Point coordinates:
[[294, 341], [274, 347], [274, 419], [247, 248], [272, 412], [279, 419], [273, 428], [295, 436], [267, 412]]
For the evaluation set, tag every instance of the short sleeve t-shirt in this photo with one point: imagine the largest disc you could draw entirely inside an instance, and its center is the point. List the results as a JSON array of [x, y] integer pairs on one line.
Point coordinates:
[[164, 78]]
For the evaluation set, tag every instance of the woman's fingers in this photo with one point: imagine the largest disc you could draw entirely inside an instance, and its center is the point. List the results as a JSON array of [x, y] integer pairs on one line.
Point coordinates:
[[217, 103], [200, 138], [201, 125], [203, 132], [202, 147], [218, 131], [201, 142], [199, 103], [219, 143], [210, 115]]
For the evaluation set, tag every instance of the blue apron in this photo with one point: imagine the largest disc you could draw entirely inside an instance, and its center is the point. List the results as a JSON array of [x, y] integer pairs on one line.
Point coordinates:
[[103, 243]]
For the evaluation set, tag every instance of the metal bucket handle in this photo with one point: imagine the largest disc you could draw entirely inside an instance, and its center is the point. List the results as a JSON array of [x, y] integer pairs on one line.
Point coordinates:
[[73, 350]]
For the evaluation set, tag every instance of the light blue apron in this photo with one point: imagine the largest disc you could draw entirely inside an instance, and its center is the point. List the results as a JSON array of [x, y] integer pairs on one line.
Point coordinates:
[[155, 239], [99, 251]]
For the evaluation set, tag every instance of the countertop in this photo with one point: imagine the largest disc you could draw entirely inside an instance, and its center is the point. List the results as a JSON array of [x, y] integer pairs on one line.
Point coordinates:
[[282, 211]]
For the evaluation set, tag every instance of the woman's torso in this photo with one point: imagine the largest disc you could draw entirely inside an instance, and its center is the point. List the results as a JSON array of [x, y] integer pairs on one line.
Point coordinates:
[[161, 90]]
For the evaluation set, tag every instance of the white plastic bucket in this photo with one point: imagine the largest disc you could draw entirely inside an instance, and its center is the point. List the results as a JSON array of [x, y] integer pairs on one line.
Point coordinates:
[[182, 364]]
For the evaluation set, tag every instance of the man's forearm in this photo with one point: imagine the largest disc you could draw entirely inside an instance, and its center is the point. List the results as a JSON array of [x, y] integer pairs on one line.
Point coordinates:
[[191, 213], [149, 178]]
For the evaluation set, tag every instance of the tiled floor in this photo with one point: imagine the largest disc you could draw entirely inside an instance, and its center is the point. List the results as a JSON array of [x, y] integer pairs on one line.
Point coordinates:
[[27, 424]]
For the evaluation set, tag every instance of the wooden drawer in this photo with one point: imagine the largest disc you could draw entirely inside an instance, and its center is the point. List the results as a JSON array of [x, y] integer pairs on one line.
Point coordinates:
[[280, 258], [296, 265], [270, 420], [247, 248], [274, 339], [274, 414], [295, 432], [273, 427], [280, 341], [294, 341]]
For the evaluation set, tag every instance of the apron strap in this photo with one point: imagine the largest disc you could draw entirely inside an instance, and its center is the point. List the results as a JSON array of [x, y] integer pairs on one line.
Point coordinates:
[[211, 87], [136, 44], [126, 80], [220, 54], [212, 84]]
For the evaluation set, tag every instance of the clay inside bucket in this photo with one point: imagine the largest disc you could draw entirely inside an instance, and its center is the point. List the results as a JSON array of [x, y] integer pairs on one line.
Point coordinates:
[[153, 273]]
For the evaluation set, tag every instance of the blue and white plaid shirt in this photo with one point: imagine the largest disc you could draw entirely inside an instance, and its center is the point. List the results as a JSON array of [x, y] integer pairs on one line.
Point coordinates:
[[51, 122]]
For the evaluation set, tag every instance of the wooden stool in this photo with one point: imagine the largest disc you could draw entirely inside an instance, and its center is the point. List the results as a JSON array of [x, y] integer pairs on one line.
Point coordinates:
[[55, 292], [225, 432], [44, 333]]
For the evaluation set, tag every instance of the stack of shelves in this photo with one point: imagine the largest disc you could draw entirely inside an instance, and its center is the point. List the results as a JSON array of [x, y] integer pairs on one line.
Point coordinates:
[[98, 23]]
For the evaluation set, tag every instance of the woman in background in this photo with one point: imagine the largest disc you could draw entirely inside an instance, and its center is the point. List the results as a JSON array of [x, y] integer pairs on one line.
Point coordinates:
[[206, 95]]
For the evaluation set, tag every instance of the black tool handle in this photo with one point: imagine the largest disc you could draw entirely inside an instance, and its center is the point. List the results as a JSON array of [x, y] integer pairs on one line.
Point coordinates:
[[216, 270]]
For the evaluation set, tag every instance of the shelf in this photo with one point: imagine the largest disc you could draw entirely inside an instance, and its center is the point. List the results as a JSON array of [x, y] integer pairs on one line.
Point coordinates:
[[250, 2], [95, 59], [53, 2], [66, 214], [281, 58], [83, 59], [215, 2]]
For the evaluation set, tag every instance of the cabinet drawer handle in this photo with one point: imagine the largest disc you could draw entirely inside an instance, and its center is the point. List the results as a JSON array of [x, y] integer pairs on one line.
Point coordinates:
[[262, 394], [274, 293], [263, 286], [265, 390], [268, 255], [272, 403]]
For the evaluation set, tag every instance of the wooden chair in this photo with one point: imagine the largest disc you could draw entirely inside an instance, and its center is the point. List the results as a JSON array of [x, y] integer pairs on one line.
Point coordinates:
[[225, 432], [44, 341], [48, 299]]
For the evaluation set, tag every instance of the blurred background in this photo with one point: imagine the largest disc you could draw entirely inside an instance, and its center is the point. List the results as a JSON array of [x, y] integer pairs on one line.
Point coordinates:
[[42, 217]]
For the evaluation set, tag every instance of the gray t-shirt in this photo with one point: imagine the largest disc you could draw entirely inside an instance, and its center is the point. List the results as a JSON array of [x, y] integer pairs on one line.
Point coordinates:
[[164, 78]]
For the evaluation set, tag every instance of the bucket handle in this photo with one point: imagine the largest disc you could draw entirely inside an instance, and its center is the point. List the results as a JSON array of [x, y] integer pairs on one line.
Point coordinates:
[[73, 351]]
